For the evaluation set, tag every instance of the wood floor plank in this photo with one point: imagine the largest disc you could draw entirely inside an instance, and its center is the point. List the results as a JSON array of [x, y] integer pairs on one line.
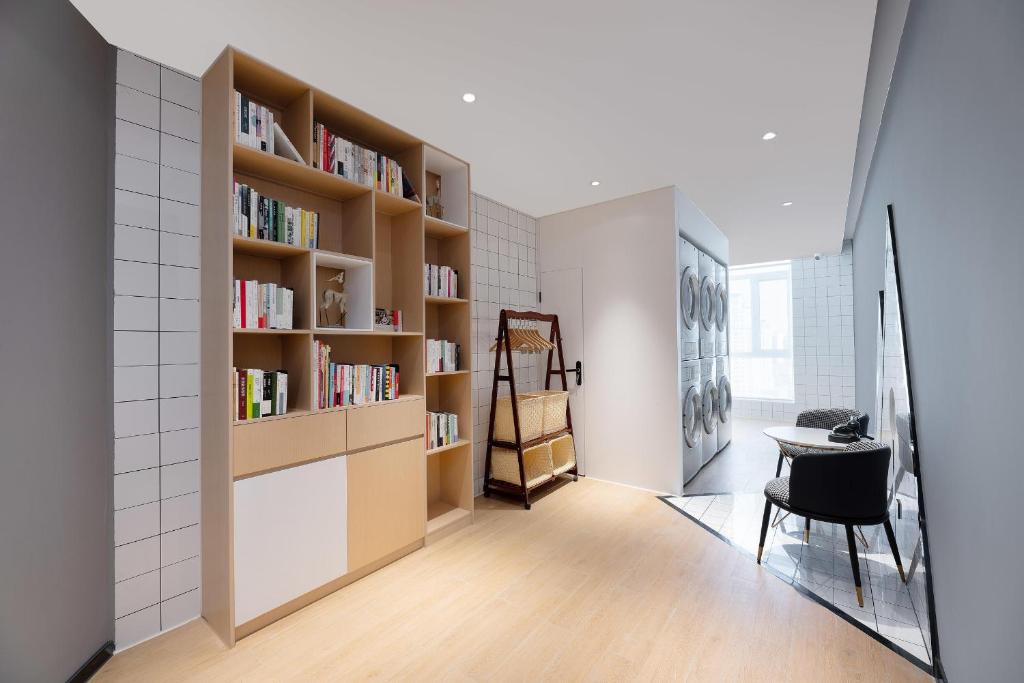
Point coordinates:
[[596, 582]]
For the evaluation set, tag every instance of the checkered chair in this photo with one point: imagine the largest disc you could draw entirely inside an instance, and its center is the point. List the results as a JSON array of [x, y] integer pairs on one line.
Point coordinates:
[[821, 418], [848, 487]]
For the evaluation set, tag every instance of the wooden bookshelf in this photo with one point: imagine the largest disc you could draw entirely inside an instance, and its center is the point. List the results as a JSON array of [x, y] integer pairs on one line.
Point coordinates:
[[396, 496]]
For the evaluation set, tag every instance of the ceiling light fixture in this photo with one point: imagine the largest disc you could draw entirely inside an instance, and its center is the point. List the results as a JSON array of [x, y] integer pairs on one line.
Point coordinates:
[[468, 97], [787, 203], [595, 183], [770, 135]]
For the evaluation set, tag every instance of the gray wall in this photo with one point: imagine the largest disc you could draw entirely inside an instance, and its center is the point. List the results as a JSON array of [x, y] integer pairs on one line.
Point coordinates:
[[56, 604], [950, 158]]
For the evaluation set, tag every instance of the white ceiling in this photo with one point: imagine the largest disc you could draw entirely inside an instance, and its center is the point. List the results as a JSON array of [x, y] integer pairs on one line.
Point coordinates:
[[637, 94]]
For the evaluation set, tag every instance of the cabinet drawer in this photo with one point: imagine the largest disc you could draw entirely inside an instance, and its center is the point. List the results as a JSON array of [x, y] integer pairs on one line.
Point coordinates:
[[385, 422], [387, 500], [286, 441]]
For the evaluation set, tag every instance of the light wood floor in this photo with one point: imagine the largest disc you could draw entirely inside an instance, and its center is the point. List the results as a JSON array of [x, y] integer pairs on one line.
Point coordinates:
[[597, 582]]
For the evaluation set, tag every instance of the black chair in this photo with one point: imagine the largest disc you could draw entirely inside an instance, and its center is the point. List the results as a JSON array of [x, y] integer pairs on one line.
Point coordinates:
[[821, 418], [840, 487]]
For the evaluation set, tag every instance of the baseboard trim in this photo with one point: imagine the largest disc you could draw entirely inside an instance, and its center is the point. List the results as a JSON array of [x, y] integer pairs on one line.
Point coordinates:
[[94, 663], [294, 605]]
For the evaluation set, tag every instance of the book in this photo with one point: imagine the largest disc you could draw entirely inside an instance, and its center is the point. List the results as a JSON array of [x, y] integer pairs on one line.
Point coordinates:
[[262, 306], [283, 147], [260, 217], [387, 321], [443, 356], [337, 155], [442, 429], [346, 384], [260, 393], [441, 281], [254, 124]]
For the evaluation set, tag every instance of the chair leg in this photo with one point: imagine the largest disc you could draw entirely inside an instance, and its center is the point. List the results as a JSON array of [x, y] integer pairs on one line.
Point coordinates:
[[778, 468], [891, 535], [764, 528], [807, 530], [854, 563]]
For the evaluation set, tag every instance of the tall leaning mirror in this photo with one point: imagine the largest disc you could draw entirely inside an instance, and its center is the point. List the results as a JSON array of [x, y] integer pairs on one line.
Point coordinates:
[[897, 429]]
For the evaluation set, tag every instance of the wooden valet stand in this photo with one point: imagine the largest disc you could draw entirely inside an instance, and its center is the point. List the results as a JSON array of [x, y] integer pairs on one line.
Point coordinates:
[[509, 340]]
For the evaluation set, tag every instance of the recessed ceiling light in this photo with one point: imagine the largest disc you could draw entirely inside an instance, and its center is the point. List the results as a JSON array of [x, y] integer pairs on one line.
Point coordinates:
[[787, 203], [468, 97], [770, 135], [595, 183]]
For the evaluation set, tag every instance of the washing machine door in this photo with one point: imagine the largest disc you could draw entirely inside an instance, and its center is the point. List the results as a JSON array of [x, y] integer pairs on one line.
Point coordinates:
[[709, 403], [691, 416], [724, 399], [707, 304], [689, 297], [721, 307]]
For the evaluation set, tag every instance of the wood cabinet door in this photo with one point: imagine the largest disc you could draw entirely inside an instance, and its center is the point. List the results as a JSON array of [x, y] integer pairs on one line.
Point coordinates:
[[387, 501], [290, 532]]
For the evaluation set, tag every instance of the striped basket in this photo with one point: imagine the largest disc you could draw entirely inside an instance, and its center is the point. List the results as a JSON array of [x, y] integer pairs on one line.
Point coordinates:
[[555, 402], [531, 418], [536, 464], [563, 454]]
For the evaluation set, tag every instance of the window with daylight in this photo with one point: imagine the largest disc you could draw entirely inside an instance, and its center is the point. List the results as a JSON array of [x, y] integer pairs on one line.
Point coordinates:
[[761, 331]]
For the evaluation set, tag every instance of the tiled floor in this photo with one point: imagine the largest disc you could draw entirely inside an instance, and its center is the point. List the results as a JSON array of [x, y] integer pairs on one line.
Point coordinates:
[[822, 566]]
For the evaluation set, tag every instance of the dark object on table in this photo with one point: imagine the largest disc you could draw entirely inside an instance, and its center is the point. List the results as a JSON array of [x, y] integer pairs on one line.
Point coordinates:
[[846, 433]]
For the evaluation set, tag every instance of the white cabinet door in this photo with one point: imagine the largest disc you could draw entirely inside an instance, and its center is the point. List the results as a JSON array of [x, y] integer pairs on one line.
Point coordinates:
[[290, 534]]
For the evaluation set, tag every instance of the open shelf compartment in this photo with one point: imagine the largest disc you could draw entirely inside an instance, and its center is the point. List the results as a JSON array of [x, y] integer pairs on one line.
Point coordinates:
[[446, 178], [405, 351], [288, 351], [449, 491], [282, 269], [358, 288], [398, 270]]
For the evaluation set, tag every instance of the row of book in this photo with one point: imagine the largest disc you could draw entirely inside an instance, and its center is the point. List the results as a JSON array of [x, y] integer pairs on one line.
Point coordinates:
[[341, 384], [263, 218], [261, 393], [262, 306], [442, 429], [254, 124], [343, 157], [440, 281], [443, 355]]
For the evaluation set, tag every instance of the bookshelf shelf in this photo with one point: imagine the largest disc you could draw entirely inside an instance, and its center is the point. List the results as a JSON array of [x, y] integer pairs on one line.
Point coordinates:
[[259, 164], [393, 205], [440, 229], [441, 449], [272, 418], [264, 331], [258, 247], [394, 499], [446, 300]]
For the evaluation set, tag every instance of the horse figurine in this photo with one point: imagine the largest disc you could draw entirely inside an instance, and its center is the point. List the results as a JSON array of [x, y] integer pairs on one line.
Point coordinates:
[[333, 297]]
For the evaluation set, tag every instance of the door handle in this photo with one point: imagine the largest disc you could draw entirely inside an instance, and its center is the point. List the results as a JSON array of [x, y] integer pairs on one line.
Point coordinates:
[[579, 372]]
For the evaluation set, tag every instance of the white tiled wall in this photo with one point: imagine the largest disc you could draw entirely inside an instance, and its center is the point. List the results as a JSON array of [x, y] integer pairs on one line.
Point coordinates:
[[505, 276], [823, 359], [156, 349]]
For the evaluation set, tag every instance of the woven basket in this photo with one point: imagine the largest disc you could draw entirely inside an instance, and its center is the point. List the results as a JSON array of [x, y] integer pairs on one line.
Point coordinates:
[[555, 403], [536, 464], [531, 418], [563, 454]]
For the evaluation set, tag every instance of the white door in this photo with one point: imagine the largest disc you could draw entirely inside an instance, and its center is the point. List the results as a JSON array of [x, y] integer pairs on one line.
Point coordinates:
[[561, 293]]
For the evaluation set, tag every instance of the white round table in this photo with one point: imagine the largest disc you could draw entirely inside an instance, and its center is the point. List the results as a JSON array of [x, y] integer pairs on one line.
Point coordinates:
[[808, 437]]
